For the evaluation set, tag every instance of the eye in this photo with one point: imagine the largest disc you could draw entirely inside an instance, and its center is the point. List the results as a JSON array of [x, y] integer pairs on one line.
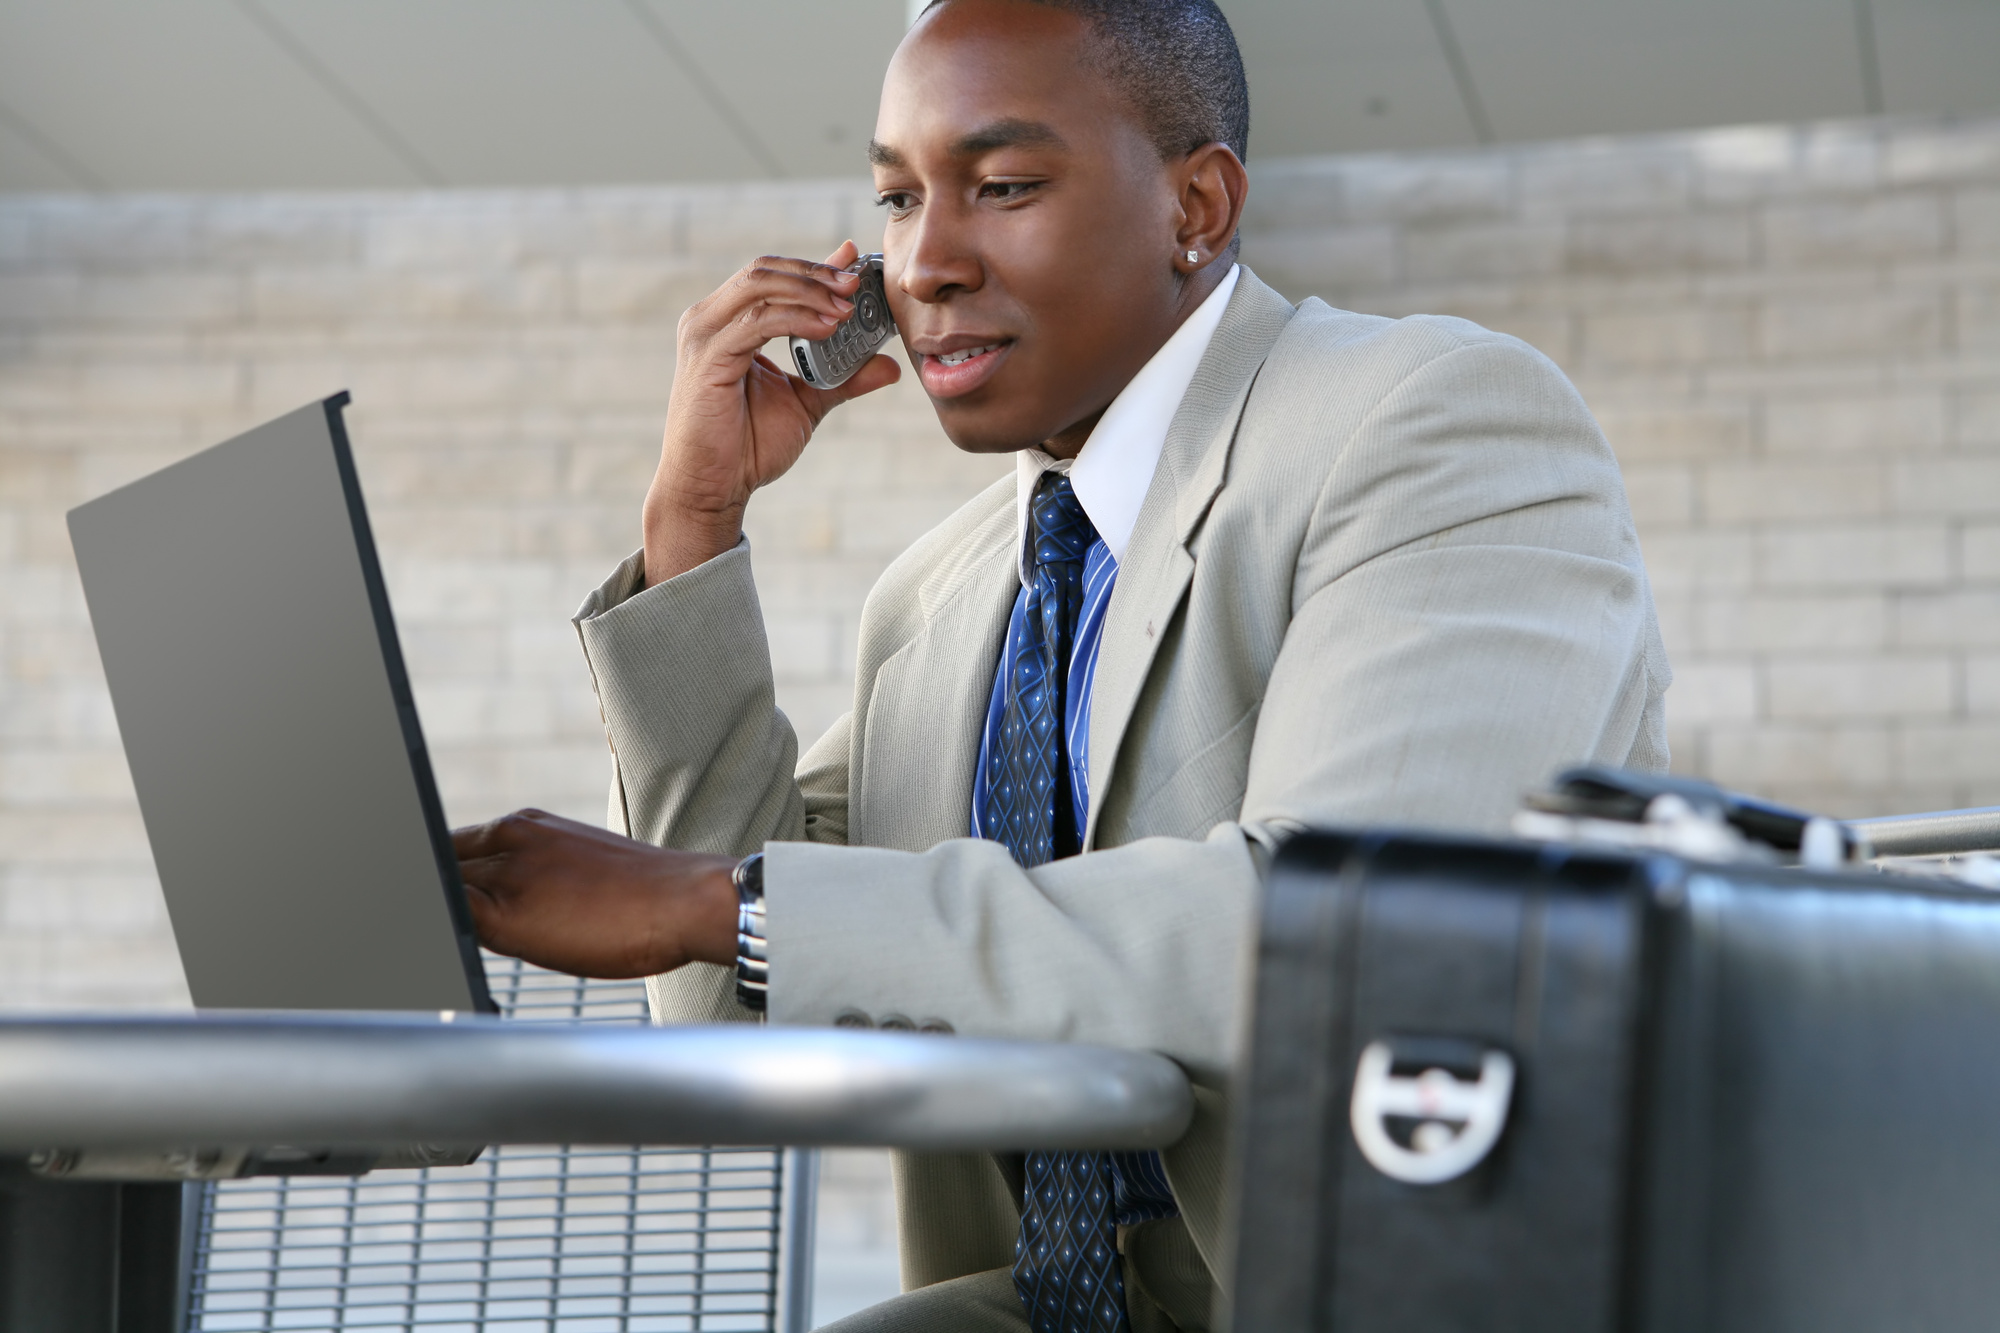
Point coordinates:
[[898, 202], [1008, 192]]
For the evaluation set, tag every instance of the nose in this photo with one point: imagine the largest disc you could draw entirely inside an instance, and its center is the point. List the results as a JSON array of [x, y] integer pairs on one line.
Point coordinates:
[[937, 256]]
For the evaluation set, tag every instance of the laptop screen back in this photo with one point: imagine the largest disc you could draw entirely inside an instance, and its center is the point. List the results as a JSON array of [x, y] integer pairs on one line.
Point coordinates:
[[267, 718]]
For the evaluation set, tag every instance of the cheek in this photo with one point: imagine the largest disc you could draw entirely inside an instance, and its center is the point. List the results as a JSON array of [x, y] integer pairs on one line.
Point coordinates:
[[1077, 267], [1101, 235]]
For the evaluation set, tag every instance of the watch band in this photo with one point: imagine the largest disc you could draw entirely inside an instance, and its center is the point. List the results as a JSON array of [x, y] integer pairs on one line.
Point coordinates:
[[753, 966]]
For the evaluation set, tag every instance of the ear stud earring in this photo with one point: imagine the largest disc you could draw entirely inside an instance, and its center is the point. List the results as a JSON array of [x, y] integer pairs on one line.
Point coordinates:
[[1194, 256]]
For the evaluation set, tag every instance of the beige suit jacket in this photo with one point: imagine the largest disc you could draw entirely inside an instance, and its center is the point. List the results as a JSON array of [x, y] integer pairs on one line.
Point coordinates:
[[1385, 573]]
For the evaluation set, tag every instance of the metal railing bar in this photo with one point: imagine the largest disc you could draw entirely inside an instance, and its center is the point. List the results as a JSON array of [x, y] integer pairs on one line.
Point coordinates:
[[1934, 833]]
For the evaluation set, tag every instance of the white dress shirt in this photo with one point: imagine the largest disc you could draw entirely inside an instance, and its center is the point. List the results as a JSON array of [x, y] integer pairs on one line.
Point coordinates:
[[1115, 467]]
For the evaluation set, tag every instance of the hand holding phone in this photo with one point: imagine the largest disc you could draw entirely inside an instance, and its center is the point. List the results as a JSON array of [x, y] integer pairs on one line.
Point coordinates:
[[738, 419]]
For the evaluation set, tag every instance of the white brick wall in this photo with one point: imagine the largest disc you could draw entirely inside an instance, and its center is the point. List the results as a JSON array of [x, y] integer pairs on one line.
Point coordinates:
[[1792, 336]]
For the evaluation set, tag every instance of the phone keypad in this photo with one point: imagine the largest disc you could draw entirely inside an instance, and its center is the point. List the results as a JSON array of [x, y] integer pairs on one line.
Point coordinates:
[[858, 336]]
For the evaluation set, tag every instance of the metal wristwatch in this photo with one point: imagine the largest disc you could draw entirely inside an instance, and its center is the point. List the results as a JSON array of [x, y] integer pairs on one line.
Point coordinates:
[[753, 966]]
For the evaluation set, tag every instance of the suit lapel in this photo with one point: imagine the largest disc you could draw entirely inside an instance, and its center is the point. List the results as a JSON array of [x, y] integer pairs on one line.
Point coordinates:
[[1154, 576], [921, 753]]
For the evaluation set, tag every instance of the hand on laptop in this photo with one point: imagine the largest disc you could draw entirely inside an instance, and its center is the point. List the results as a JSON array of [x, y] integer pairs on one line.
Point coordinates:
[[580, 899]]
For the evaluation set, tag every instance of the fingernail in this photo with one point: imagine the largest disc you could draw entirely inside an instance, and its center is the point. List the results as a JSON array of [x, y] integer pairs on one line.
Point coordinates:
[[842, 304]]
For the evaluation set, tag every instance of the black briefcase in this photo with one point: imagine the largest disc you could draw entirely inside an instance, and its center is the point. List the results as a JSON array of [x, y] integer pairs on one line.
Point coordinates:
[[1503, 1086]]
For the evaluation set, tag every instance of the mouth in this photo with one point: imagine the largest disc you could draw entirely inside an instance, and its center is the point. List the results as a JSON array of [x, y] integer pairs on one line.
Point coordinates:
[[959, 371], [960, 358]]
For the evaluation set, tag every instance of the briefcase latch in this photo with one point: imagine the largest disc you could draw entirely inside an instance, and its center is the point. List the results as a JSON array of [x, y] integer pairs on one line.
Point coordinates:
[[1421, 1114]]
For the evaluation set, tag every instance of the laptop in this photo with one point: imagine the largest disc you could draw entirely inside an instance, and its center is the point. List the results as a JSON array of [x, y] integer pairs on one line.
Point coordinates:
[[267, 717]]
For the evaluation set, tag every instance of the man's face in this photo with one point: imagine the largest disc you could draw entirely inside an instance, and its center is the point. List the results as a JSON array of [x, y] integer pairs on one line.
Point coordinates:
[[1031, 224]]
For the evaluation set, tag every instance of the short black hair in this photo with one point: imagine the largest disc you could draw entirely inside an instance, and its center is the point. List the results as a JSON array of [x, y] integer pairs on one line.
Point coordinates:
[[1177, 62]]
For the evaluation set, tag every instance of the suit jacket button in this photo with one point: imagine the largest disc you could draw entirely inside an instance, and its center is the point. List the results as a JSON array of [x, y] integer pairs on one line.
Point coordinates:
[[853, 1018]]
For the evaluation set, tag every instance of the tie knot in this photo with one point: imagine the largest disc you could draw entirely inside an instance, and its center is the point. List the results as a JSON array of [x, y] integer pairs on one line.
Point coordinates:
[[1058, 529]]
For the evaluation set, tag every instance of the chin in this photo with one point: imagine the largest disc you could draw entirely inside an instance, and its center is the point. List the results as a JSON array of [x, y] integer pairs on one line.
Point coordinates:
[[986, 432]]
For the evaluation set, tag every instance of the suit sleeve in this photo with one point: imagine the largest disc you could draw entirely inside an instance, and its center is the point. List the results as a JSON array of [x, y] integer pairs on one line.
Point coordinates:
[[702, 757], [704, 760]]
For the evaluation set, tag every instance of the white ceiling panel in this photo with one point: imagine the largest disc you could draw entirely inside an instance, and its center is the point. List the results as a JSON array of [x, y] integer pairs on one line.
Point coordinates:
[[1642, 65], [803, 74], [257, 94], [181, 95], [1360, 76], [522, 92], [1939, 55]]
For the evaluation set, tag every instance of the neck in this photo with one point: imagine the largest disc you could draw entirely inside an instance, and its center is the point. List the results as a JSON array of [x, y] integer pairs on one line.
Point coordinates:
[[1198, 287], [1069, 442]]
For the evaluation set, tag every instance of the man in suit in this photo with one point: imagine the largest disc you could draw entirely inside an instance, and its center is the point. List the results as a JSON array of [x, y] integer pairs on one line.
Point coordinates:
[[1261, 566]]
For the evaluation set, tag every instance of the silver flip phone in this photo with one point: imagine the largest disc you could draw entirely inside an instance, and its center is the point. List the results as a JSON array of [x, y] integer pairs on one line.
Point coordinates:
[[832, 359]]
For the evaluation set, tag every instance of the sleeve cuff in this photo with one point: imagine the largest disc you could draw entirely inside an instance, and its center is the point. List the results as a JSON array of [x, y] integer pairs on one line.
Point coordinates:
[[628, 578]]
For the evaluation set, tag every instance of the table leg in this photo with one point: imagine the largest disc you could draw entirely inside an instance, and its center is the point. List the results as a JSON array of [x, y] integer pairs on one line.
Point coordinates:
[[90, 1256]]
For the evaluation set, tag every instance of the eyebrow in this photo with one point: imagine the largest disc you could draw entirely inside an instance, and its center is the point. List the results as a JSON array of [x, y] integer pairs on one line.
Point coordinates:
[[1011, 133], [1008, 134]]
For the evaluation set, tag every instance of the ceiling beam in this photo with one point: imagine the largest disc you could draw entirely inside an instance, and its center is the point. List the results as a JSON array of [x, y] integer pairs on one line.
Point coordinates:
[[1461, 73], [1871, 61], [725, 110], [348, 100], [65, 162]]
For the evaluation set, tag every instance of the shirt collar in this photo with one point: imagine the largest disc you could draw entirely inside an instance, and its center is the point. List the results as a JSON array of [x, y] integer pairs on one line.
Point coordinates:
[[1114, 469]]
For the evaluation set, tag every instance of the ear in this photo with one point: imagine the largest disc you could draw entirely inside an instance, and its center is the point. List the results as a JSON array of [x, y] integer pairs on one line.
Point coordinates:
[[1211, 186]]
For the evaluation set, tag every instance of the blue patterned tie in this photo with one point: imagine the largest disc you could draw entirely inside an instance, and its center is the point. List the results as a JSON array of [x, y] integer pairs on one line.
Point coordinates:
[[1028, 806], [1066, 1259]]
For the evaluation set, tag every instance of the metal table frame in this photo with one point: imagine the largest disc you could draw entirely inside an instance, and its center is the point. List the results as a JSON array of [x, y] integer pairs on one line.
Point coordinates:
[[103, 1088]]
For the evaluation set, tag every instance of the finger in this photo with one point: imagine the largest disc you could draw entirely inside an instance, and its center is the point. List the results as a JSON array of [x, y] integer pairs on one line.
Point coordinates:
[[489, 924], [478, 839], [499, 836], [809, 304], [782, 279], [511, 831], [845, 255], [533, 820], [796, 270], [778, 372], [880, 372], [488, 873], [732, 349], [831, 275]]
